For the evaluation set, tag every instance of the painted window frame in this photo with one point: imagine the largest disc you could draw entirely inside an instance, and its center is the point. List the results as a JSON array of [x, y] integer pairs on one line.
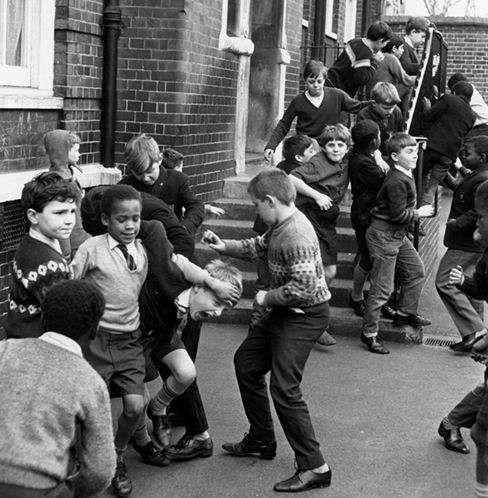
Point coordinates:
[[239, 44]]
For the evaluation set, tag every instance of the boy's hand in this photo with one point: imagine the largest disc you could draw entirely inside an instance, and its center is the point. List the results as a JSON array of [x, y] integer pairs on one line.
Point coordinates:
[[426, 211], [213, 241], [382, 164], [427, 103], [452, 223], [323, 201], [456, 276], [214, 210], [379, 57], [225, 291], [260, 297], [268, 154]]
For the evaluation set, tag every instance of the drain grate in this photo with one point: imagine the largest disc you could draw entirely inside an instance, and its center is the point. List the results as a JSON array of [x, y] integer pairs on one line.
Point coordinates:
[[443, 343]]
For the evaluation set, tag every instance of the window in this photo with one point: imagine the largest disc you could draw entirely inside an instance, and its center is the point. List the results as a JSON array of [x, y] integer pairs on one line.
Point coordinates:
[[350, 20], [330, 28], [235, 27], [26, 47]]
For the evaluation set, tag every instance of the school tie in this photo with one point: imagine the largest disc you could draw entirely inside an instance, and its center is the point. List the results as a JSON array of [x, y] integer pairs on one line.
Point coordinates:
[[128, 257]]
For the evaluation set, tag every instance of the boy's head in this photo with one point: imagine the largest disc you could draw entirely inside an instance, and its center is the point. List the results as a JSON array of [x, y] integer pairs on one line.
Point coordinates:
[[298, 148], [143, 158], [366, 135], [270, 190], [49, 202], [314, 75], [456, 78], [335, 141], [475, 152], [416, 29], [394, 46], [481, 206], [463, 88], [203, 302], [172, 159], [403, 150], [378, 34], [91, 211], [386, 97], [73, 308], [121, 207], [63, 149]]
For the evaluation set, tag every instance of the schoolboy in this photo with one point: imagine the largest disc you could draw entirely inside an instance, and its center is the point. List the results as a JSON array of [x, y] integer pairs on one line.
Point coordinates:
[[450, 117], [462, 250], [297, 150], [314, 109], [384, 111], [390, 70], [118, 260], [359, 60], [389, 245], [49, 204], [63, 150], [282, 340], [143, 159], [474, 406], [57, 396], [366, 179]]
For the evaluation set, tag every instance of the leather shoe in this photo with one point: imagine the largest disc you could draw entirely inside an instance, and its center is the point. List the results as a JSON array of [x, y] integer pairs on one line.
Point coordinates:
[[121, 481], [326, 339], [414, 319], [467, 342], [304, 480], [388, 312], [151, 455], [249, 447], [161, 428], [374, 344], [357, 306], [188, 447], [453, 439]]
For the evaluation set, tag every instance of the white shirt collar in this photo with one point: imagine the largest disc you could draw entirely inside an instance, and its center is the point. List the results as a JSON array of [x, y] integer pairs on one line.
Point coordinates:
[[112, 243], [62, 341], [408, 172], [182, 302], [54, 243], [407, 40]]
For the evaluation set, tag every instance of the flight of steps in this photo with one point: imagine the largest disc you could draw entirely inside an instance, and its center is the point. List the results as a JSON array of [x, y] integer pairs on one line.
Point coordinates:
[[237, 224]]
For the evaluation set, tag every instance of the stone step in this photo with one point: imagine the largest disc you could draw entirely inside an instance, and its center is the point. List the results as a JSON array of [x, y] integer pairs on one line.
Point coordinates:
[[343, 322]]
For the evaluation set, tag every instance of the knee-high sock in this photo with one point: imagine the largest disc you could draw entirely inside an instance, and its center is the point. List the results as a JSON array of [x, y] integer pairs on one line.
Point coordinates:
[[481, 490], [170, 390]]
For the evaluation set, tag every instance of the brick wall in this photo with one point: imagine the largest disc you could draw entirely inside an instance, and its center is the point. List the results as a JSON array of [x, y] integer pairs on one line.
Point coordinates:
[[467, 41], [177, 86]]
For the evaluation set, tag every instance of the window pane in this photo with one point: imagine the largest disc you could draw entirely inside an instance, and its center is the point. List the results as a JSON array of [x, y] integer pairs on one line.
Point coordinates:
[[12, 25]]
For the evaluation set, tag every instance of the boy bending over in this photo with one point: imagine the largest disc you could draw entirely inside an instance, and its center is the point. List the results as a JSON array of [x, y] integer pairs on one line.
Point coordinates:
[[281, 341]]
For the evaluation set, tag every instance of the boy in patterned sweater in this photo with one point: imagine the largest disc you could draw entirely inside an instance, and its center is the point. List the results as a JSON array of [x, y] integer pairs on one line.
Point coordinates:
[[49, 203], [281, 341]]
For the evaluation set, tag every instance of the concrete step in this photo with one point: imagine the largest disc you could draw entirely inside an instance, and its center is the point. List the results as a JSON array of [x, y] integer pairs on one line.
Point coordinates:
[[343, 322]]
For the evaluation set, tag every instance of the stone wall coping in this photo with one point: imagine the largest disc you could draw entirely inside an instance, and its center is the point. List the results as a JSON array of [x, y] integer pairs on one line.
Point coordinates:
[[11, 184]]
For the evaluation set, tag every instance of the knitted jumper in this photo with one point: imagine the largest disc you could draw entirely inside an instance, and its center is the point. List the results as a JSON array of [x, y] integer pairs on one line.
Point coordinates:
[[35, 268], [295, 264], [391, 71], [45, 391], [396, 202], [96, 262]]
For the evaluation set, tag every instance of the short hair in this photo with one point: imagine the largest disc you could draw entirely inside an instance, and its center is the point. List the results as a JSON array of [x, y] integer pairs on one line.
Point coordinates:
[[385, 93], [91, 211], [463, 88], [141, 152], [47, 187], [171, 158], [274, 182], [394, 42], [399, 141], [116, 194], [225, 272], [456, 78], [337, 132], [364, 132], [479, 143], [482, 194], [314, 69], [296, 145], [379, 30], [73, 139], [72, 308], [418, 24]]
